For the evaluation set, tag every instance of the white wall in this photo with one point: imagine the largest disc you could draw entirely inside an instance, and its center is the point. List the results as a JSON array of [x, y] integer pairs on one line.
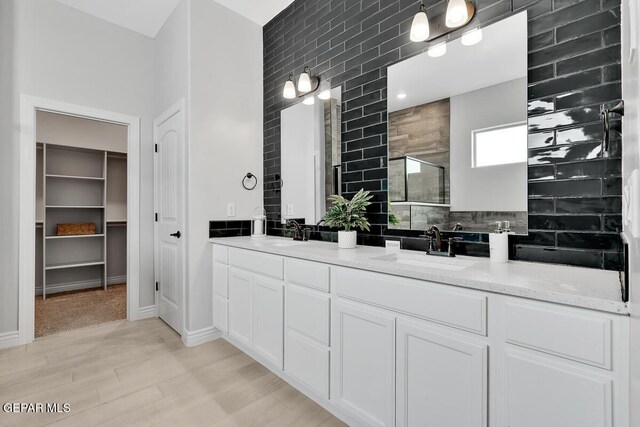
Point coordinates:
[[171, 60], [8, 171], [491, 188], [225, 105], [66, 55], [78, 132], [301, 137], [631, 161]]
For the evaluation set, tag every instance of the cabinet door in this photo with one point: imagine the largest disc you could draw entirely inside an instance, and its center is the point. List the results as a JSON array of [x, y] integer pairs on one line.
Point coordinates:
[[363, 362], [545, 392], [441, 381], [220, 280], [241, 306], [268, 311]]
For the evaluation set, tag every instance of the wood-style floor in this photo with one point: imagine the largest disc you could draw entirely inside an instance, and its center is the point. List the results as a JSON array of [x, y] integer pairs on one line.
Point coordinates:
[[139, 373]]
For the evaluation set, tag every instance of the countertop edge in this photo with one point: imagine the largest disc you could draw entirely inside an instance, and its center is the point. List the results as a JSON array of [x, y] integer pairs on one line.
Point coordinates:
[[587, 302]]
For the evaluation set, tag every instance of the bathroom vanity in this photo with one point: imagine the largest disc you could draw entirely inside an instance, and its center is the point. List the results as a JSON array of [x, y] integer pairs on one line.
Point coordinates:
[[384, 338]]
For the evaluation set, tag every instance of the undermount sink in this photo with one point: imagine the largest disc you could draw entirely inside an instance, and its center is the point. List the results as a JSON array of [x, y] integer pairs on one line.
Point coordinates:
[[426, 261], [283, 243]]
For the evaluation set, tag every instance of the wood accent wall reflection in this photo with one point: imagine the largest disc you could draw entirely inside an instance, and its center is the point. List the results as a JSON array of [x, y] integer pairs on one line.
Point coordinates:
[[574, 66]]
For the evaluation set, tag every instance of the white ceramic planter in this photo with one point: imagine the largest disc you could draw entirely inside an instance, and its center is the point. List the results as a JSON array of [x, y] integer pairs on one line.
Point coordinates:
[[347, 239]]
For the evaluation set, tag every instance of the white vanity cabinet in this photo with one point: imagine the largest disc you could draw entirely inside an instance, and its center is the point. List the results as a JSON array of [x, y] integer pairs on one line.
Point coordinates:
[[384, 350], [256, 304], [307, 324]]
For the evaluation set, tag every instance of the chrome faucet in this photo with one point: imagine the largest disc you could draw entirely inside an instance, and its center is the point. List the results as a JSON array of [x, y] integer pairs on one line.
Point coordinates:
[[298, 233]]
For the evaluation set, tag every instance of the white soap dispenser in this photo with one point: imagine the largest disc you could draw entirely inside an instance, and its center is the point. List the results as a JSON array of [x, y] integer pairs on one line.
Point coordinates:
[[499, 244]]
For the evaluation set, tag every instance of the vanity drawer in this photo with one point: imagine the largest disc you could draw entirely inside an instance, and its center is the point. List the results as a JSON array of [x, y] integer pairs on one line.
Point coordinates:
[[220, 254], [460, 308], [306, 273], [567, 332], [308, 312], [257, 262]]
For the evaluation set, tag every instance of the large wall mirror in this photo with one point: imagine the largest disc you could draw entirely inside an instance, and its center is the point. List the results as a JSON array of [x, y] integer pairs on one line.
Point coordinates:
[[458, 134], [310, 152]]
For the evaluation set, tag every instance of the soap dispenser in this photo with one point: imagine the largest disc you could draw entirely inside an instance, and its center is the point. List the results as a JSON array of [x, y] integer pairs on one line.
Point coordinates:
[[499, 243]]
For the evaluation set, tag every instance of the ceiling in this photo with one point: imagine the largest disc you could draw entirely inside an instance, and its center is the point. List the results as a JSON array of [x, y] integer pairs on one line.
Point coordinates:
[[148, 16], [259, 11]]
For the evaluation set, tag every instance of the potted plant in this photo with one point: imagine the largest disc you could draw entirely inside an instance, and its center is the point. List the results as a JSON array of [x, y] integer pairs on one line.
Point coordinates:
[[348, 214]]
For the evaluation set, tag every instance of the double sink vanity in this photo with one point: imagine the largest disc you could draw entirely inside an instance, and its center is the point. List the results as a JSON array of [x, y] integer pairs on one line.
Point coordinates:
[[399, 338]]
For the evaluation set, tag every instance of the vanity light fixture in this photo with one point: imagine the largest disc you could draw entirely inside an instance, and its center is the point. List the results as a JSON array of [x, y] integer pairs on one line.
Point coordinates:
[[472, 37], [426, 28], [437, 50], [306, 84], [309, 100], [289, 88], [420, 25]]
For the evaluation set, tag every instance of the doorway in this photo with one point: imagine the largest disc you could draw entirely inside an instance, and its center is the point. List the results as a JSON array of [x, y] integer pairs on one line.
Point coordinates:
[[81, 222], [67, 208]]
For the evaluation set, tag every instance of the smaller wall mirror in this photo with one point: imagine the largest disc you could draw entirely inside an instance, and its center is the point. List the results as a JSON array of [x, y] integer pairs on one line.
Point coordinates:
[[310, 152], [458, 134]]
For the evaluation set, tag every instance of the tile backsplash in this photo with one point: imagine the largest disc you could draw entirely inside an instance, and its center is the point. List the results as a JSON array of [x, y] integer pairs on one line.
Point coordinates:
[[574, 67]]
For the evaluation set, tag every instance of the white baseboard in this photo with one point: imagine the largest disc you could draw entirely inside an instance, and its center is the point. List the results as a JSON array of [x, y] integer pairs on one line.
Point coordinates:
[[201, 336], [147, 312], [76, 286], [9, 339]]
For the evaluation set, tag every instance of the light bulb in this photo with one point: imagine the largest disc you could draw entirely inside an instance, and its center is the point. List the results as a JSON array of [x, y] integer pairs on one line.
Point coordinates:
[[309, 100], [420, 26], [457, 13], [289, 91], [304, 82], [437, 50], [472, 37]]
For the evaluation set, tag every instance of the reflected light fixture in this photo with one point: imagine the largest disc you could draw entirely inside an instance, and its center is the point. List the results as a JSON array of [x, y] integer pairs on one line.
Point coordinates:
[[289, 91], [457, 13], [401, 95], [420, 26], [472, 37], [304, 81], [437, 50], [309, 100], [324, 90]]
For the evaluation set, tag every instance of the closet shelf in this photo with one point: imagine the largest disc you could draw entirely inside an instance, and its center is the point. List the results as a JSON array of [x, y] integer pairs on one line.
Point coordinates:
[[74, 264], [76, 236], [73, 207], [85, 178]]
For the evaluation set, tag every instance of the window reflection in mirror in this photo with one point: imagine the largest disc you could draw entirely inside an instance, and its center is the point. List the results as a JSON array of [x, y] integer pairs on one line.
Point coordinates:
[[310, 155], [458, 133]]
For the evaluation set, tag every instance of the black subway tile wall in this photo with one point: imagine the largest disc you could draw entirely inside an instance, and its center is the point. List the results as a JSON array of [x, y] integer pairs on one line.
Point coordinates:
[[574, 67], [229, 228]]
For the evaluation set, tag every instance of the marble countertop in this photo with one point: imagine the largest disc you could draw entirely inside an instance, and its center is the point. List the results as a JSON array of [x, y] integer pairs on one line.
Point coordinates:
[[574, 286]]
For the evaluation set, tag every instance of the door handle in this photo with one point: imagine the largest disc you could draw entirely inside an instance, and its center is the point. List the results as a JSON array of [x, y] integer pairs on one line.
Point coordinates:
[[176, 234]]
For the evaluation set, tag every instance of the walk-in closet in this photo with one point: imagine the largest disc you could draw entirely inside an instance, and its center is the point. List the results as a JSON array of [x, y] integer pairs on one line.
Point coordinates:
[[81, 222]]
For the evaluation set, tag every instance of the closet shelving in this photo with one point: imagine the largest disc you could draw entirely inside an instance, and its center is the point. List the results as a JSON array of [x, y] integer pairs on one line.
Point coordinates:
[[76, 187]]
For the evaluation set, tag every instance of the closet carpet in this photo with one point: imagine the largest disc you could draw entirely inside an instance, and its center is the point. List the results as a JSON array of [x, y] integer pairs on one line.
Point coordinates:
[[66, 311]]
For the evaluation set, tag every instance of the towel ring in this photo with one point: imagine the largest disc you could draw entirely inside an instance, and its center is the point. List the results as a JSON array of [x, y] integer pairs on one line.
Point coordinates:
[[248, 177]]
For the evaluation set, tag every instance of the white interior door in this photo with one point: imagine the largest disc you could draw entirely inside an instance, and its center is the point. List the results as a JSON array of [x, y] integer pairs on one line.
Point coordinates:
[[170, 239]]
